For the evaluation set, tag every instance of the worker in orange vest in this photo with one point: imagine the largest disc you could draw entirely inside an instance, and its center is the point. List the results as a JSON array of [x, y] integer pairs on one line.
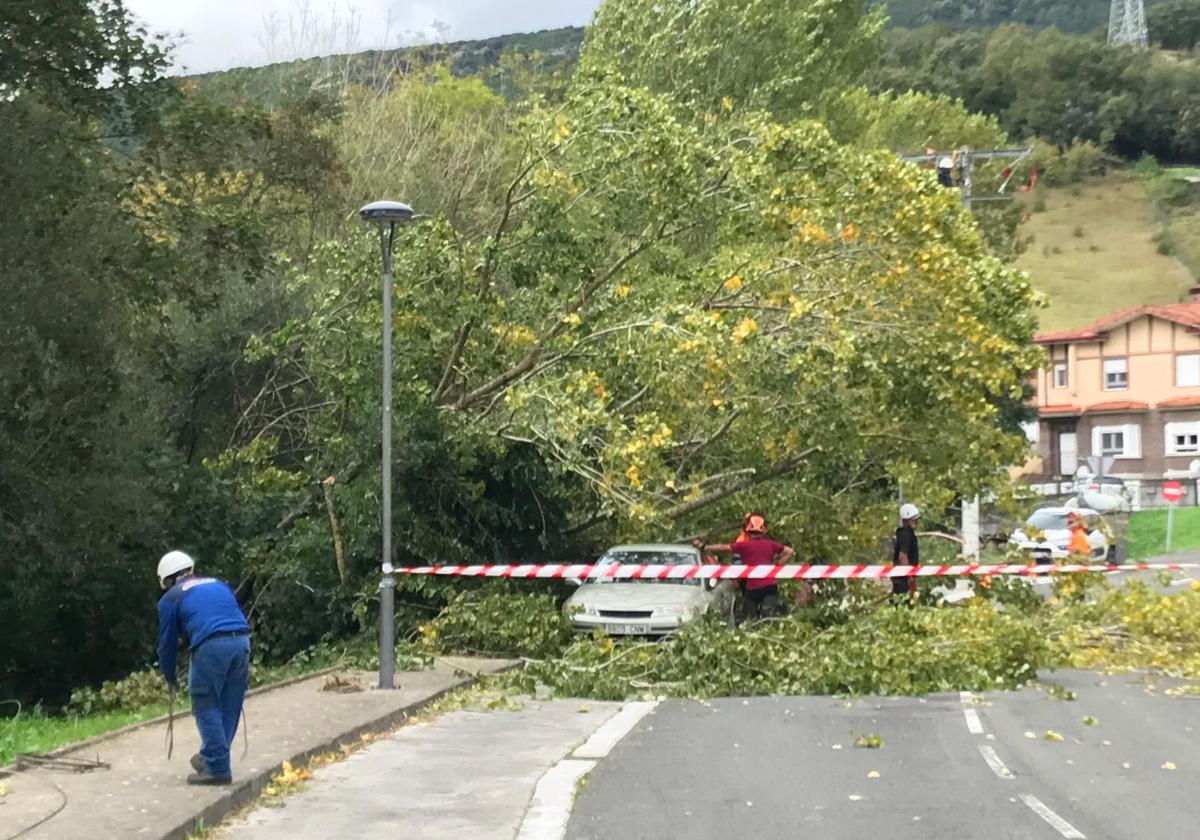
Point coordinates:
[[1078, 546]]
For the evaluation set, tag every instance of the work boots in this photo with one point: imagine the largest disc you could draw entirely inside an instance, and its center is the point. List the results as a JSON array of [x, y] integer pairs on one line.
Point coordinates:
[[203, 777]]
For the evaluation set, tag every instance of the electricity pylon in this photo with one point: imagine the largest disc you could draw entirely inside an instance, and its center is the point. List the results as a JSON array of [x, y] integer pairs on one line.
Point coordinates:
[[1127, 24]]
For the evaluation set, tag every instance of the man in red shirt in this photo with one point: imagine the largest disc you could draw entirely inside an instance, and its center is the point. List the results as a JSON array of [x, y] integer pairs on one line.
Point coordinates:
[[761, 598]]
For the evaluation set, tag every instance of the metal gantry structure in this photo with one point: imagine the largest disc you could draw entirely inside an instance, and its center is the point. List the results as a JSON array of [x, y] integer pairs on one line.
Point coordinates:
[[1127, 24], [962, 169]]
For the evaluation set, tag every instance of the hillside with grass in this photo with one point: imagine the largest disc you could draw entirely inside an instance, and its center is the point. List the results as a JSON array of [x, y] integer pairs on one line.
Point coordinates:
[[1106, 244]]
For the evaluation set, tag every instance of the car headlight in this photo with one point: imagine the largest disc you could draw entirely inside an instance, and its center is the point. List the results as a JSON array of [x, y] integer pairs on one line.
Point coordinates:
[[682, 612]]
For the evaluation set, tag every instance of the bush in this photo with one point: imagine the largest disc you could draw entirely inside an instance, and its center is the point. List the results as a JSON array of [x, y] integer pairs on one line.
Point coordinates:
[[139, 689], [1072, 165], [499, 622]]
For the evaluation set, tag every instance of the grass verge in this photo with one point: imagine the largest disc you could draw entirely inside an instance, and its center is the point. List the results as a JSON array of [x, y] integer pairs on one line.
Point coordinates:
[[37, 732], [1148, 532]]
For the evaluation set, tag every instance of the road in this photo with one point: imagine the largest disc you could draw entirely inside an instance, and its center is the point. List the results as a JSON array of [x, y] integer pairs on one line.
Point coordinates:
[[948, 766]]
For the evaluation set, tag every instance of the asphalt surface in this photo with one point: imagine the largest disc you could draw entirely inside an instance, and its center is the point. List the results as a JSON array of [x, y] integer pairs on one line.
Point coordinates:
[[788, 767]]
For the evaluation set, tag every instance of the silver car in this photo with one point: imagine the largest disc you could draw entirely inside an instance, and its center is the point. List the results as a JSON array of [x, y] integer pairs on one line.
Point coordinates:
[[1046, 535], [647, 607]]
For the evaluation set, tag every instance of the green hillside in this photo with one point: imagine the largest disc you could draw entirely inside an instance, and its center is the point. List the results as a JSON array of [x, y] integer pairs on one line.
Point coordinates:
[[1066, 15], [1100, 246]]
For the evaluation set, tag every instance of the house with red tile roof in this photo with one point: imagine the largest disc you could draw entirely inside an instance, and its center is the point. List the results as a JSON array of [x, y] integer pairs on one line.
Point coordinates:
[[1126, 387]]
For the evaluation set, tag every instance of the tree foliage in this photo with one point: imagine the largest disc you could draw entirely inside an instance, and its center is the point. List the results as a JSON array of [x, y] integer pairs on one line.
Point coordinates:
[[786, 57], [1061, 88], [1175, 24]]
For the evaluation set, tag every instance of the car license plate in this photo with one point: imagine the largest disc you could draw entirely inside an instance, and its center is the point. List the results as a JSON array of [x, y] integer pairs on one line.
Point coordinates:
[[629, 629]]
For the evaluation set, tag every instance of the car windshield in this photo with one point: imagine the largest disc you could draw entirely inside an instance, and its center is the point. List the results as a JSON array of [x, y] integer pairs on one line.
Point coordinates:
[[661, 558], [1046, 520]]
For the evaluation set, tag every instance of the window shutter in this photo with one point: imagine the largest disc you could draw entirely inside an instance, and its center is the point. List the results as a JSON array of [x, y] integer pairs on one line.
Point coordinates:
[[1133, 440], [1097, 446]]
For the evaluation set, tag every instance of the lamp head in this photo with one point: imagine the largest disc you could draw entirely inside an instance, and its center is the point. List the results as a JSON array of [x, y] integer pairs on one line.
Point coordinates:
[[385, 211]]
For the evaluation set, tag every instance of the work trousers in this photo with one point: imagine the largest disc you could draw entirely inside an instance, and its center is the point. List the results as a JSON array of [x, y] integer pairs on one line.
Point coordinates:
[[760, 603], [217, 679]]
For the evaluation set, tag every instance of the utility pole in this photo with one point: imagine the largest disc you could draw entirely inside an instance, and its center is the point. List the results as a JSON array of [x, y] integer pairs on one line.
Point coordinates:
[[1127, 24]]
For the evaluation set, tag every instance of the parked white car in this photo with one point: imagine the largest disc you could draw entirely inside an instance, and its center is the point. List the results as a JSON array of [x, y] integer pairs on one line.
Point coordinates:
[[1105, 495], [646, 607], [1045, 535]]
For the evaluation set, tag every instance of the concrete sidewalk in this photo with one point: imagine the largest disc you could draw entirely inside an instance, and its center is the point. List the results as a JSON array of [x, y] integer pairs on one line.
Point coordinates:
[[142, 795], [468, 775]]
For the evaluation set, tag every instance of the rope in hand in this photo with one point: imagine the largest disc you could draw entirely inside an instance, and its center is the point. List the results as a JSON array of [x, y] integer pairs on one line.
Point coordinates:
[[171, 724]]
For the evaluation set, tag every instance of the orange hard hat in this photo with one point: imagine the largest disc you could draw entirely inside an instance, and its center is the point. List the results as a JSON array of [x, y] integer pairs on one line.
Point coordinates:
[[756, 523]]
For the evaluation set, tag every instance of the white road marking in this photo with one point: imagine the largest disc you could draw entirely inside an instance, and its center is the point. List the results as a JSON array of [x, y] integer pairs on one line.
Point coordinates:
[[613, 730], [1055, 821], [550, 807], [974, 724], [993, 761]]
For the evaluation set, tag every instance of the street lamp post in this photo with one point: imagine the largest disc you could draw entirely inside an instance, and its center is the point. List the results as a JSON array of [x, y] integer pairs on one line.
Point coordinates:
[[387, 214]]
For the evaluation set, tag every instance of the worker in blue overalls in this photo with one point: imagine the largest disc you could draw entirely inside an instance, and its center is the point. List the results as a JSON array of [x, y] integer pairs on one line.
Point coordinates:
[[206, 614]]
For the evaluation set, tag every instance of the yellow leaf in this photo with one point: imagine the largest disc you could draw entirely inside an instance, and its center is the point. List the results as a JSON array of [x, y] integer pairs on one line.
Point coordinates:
[[745, 328], [1168, 765], [874, 774]]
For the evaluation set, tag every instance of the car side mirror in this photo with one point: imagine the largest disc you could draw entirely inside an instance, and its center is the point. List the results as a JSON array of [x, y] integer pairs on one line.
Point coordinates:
[[574, 581], [711, 583]]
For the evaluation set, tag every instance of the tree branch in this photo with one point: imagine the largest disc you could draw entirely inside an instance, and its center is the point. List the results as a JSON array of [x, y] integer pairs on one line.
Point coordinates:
[[305, 507], [485, 274], [707, 499], [338, 557]]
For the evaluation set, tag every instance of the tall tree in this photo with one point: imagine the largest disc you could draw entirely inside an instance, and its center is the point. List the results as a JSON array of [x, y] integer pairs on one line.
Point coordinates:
[[786, 57]]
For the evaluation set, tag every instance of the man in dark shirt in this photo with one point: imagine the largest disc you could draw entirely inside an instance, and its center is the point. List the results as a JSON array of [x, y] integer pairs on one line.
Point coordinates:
[[761, 597], [205, 613], [906, 551]]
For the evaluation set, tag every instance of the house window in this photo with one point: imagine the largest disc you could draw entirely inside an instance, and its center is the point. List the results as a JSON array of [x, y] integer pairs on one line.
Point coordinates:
[[1112, 443], [1187, 370], [1031, 430], [1117, 441], [1182, 438], [1116, 375], [1060, 374]]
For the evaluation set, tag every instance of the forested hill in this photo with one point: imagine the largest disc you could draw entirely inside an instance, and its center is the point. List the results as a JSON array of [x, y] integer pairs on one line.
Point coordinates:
[[1066, 15], [556, 49], [559, 48]]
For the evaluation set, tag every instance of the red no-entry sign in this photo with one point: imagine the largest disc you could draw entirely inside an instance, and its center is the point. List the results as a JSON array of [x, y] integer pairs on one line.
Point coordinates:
[[1172, 491]]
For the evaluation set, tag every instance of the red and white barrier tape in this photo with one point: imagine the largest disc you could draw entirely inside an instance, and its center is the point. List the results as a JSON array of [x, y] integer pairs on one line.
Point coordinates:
[[739, 572]]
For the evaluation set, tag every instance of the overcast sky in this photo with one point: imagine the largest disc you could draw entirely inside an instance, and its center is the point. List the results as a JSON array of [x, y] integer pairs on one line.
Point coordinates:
[[218, 34]]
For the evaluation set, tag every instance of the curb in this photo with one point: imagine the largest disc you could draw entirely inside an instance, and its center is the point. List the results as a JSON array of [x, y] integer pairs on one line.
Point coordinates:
[[247, 790], [75, 746]]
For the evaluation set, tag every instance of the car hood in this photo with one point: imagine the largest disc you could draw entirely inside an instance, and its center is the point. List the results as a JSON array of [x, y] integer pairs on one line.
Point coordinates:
[[635, 596], [1054, 537]]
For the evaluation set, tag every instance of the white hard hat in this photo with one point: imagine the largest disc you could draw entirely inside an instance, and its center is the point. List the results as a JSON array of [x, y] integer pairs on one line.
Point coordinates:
[[909, 511], [945, 163], [172, 563]]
